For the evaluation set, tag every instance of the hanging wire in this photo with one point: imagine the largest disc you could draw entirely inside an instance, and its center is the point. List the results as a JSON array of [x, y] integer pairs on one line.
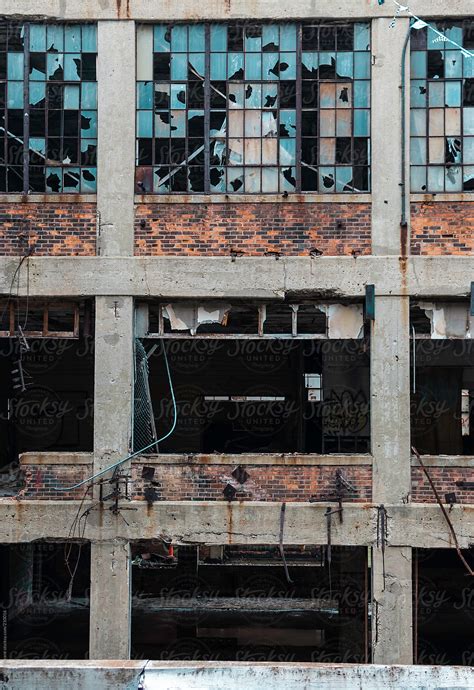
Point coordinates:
[[142, 450]]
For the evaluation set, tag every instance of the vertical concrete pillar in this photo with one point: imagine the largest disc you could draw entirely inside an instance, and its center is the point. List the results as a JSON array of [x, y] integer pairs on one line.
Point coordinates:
[[387, 46], [392, 617], [110, 601], [390, 417], [116, 137]]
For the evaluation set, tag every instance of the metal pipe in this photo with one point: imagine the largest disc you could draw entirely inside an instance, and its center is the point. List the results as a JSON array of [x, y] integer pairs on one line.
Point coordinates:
[[403, 221]]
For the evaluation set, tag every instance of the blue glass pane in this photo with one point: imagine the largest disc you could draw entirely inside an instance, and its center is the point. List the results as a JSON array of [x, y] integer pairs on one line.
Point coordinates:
[[144, 94], [454, 33], [15, 94], [287, 65], [253, 96], [288, 121], [453, 64], [468, 121], [418, 151], [361, 36], [89, 38], [288, 37], [271, 37], [344, 65], [418, 93], [252, 43], [218, 66], [344, 177], [55, 38], [72, 38], [361, 123], [178, 96], [361, 94], [453, 94], [362, 65], [179, 41], [71, 97], [468, 149], [418, 64], [218, 37], [89, 180], [89, 94], [198, 62], [235, 65], [271, 65], [253, 66], [179, 66], [89, 123], [160, 35], [72, 67], [71, 180], [37, 38], [37, 92], [436, 94], [418, 179], [197, 40], [178, 123], [54, 180], [145, 123], [15, 64], [54, 64], [287, 152], [436, 178], [38, 144]]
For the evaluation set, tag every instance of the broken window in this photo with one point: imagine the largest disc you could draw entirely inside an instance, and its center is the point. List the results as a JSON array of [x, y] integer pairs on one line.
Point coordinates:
[[48, 107], [267, 378], [44, 598], [442, 378], [262, 108], [47, 382], [442, 108], [234, 603]]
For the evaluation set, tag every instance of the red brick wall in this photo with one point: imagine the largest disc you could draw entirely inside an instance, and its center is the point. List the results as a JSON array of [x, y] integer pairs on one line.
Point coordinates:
[[54, 229], [442, 228], [444, 478], [292, 229], [265, 482], [40, 480]]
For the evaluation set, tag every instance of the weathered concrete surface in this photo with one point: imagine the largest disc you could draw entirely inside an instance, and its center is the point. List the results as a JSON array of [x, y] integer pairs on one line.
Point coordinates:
[[214, 675], [216, 9], [116, 137], [392, 635], [390, 400], [247, 277], [387, 46], [110, 601], [192, 522]]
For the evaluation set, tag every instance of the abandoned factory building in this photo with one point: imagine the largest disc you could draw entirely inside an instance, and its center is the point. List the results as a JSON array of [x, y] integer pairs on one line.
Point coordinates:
[[236, 331]]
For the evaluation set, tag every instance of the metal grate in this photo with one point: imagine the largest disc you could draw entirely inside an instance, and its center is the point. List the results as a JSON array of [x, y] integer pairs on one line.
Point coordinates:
[[144, 431]]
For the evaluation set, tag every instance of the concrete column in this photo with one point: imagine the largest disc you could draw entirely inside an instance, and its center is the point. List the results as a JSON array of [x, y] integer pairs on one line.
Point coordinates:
[[116, 137], [113, 379], [390, 400], [392, 617], [110, 601], [387, 44]]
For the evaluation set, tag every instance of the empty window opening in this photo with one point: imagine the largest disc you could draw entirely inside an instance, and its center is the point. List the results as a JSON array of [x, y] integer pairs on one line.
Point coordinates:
[[47, 391], [45, 608], [443, 608], [241, 392], [442, 376], [234, 603]]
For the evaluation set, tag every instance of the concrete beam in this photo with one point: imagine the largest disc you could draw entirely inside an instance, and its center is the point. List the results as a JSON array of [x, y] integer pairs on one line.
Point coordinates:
[[218, 522], [220, 277], [116, 80], [216, 9], [390, 400], [110, 601], [392, 616]]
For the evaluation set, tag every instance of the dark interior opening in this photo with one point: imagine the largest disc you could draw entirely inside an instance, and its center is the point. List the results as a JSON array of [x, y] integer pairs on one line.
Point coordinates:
[[265, 396], [45, 609], [443, 608], [233, 603]]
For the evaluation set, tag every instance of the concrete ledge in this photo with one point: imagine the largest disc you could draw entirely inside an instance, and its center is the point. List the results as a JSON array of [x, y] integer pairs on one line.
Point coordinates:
[[218, 675], [462, 461], [56, 458], [253, 198], [48, 198], [288, 459]]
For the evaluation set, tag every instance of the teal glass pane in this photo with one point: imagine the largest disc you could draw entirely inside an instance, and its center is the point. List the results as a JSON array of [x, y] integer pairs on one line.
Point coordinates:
[[15, 94], [144, 123], [453, 94], [468, 176], [218, 37], [198, 62], [310, 61], [144, 94], [15, 62], [326, 58], [453, 64], [54, 62], [270, 179], [197, 41], [252, 44], [179, 38], [418, 179], [85, 143], [161, 36], [37, 91], [345, 65], [468, 67], [344, 177], [361, 123], [88, 180], [178, 95], [287, 66], [287, 151], [89, 94], [362, 65], [72, 38], [253, 96], [269, 95], [418, 151], [71, 97], [72, 69], [271, 37], [418, 122], [288, 120], [218, 179], [418, 93], [54, 180], [468, 121], [89, 123], [218, 66], [468, 149], [37, 38], [454, 33], [72, 180], [361, 36], [89, 38], [418, 61], [179, 66], [288, 37], [235, 65], [55, 37], [178, 123], [36, 75], [235, 180], [38, 144], [270, 66], [436, 178], [162, 126], [326, 180], [362, 94], [253, 66], [269, 124], [436, 94]]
